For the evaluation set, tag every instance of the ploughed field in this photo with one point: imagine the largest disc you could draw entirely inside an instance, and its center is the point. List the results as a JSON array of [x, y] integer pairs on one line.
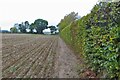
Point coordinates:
[[37, 56]]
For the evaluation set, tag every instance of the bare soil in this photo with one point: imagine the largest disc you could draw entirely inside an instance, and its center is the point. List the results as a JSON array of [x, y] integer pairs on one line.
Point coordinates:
[[37, 56]]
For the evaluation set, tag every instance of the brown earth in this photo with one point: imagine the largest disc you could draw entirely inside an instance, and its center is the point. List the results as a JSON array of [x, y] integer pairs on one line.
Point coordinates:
[[37, 56]]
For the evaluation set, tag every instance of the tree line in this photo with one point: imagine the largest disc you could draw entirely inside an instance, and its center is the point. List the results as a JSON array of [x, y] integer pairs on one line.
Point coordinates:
[[36, 27]]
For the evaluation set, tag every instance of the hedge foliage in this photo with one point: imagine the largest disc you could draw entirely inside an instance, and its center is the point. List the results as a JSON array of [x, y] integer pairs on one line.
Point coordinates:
[[97, 37], [66, 32]]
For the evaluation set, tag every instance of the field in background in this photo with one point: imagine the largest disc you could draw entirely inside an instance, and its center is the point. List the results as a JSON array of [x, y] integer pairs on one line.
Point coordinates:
[[37, 56], [26, 55]]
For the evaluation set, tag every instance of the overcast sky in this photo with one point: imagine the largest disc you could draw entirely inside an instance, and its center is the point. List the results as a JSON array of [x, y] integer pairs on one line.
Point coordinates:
[[17, 11]]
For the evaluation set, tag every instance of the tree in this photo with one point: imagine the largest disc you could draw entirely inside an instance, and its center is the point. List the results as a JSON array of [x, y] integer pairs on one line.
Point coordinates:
[[40, 25], [16, 25], [31, 27], [13, 30], [52, 28], [27, 24], [22, 27]]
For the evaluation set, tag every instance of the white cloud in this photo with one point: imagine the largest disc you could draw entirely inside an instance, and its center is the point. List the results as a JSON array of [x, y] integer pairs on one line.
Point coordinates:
[[16, 11]]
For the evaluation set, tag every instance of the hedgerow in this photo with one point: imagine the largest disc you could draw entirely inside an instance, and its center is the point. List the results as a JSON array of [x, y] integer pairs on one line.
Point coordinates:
[[97, 37], [101, 46], [66, 35]]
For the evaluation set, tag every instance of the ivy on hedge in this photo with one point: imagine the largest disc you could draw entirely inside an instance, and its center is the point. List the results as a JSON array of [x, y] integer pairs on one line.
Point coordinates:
[[101, 38]]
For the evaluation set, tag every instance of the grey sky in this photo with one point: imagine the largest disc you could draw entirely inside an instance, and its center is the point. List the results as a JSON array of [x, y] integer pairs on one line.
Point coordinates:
[[16, 11]]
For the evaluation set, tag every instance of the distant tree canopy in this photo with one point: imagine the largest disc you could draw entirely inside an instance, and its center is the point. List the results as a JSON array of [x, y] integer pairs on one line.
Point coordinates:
[[23, 26], [14, 30], [36, 27], [40, 25], [27, 25], [52, 28], [32, 26]]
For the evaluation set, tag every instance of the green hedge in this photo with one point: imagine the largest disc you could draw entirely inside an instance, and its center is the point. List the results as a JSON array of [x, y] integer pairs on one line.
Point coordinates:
[[66, 35], [101, 46], [73, 35], [97, 37]]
